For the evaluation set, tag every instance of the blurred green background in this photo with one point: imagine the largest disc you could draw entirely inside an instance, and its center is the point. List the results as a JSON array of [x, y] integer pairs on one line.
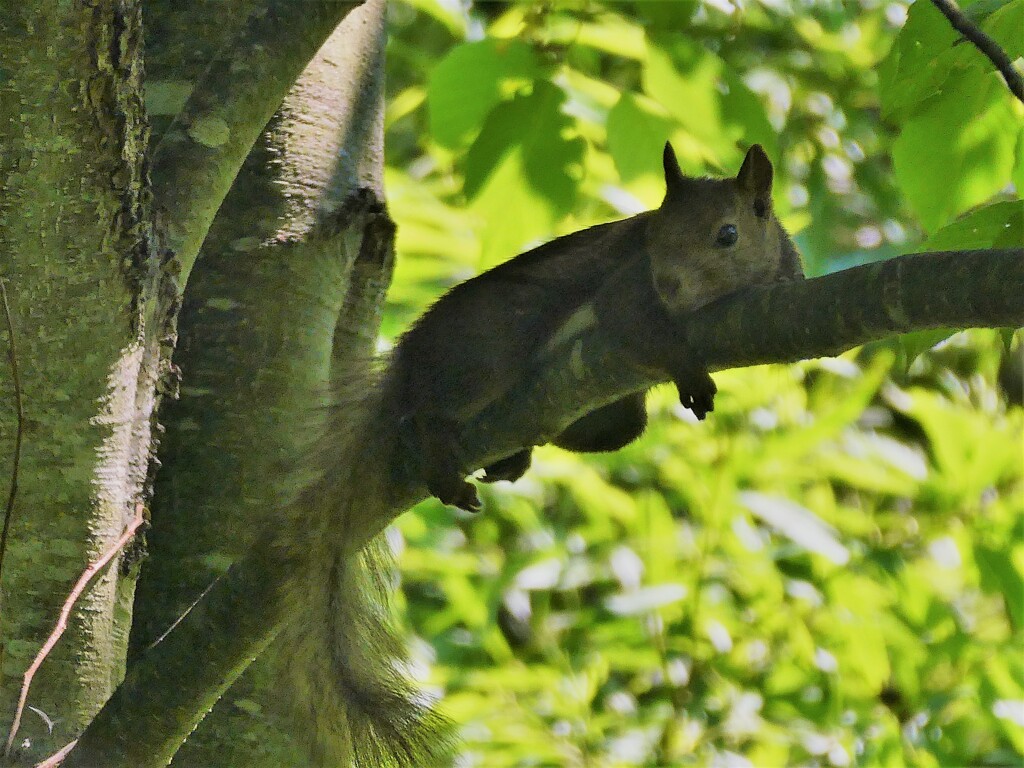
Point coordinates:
[[828, 571]]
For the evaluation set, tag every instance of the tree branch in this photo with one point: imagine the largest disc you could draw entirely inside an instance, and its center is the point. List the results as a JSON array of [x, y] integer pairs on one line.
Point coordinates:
[[198, 158], [772, 324], [65, 615], [983, 43], [782, 323]]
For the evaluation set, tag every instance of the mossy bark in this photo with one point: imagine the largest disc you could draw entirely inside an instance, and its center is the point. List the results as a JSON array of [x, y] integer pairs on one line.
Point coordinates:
[[91, 298], [291, 276]]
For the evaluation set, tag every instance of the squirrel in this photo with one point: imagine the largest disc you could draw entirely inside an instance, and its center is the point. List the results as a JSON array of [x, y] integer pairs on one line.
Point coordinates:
[[634, 278], [710, 237]]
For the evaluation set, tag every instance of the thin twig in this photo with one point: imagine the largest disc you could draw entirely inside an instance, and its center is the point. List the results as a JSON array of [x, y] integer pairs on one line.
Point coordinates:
[[180, 618], [983, 43], [12, 355], [65, 614], [57, 757]]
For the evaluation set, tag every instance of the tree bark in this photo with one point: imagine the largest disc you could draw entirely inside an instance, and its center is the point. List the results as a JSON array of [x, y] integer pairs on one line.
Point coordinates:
[[200, 154], [296, 243], [94, 295], [91, 299]]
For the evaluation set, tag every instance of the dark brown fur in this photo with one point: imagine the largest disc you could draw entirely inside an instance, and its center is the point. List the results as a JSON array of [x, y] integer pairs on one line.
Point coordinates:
[[481, 337]]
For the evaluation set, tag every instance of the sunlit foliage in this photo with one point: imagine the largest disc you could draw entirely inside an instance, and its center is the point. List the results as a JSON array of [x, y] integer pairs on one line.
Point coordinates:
[[829, 570]]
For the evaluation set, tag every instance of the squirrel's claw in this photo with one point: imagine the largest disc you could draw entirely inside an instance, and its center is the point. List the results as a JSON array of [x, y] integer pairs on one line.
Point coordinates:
[[461, 494], [702, 405]]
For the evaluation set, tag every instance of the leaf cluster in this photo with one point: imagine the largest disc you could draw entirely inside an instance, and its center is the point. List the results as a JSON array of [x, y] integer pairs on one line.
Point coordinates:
[[828, 571]]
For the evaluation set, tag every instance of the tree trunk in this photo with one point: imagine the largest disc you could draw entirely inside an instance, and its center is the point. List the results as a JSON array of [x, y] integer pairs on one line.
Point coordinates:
[[91, 301], [94, 296]]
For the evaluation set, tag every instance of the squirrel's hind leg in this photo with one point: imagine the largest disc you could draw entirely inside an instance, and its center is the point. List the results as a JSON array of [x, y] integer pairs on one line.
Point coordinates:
[[608, 428]]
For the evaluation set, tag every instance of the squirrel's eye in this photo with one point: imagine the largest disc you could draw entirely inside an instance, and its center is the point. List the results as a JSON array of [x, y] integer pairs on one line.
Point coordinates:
[[727, 235]]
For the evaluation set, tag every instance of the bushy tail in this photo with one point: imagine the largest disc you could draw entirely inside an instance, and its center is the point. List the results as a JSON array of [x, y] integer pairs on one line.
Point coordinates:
[[343, 658]]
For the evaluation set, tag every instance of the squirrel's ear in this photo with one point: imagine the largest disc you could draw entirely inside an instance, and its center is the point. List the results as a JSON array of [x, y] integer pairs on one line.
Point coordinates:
[[674, 179], [755, 174]]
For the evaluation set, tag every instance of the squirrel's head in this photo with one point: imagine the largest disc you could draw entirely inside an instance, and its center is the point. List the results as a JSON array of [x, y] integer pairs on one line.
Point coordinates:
[[711, 237]]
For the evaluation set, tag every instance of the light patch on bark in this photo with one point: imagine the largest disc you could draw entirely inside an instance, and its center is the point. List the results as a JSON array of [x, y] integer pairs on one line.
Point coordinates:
[[210, 131], [120, 472], [332, 115]]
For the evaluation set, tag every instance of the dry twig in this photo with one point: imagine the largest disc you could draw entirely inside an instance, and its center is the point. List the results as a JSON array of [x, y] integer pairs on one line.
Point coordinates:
[[65, 614], [12, 355], [57, 757]]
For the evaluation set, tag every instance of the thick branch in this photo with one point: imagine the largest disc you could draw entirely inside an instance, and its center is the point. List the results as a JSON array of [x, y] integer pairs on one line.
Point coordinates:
[[199, 157], [782, 323], [983, 43]]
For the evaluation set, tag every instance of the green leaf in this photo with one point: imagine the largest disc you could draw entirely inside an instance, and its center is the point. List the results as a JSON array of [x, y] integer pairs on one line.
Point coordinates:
[[928, 53], [956, 151], [863, 662], [645, 599], [687, 87], [918, 63], [744, 113], [452, 15], [523, 172], [919, 342], [979, 10], [605, 32], [534, 127], [709, 99], [1006, 27], [637, 130], [1000, 225], [1018, 168], [999, 575], [796, 523], [470, 80]]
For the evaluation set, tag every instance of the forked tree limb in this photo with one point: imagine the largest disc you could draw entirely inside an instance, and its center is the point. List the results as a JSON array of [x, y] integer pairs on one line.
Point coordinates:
[[171, 687], [199, 156]]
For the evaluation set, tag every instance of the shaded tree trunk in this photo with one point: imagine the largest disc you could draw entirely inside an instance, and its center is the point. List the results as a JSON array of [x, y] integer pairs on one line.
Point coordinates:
[[94, 298], [299, 242]]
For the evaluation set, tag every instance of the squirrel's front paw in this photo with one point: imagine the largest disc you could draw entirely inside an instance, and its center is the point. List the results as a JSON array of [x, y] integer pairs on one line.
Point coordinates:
[[697, 392]]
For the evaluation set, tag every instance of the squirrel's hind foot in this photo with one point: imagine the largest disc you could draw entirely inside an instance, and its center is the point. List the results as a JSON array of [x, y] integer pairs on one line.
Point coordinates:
[[464, 496], [510, 468]]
